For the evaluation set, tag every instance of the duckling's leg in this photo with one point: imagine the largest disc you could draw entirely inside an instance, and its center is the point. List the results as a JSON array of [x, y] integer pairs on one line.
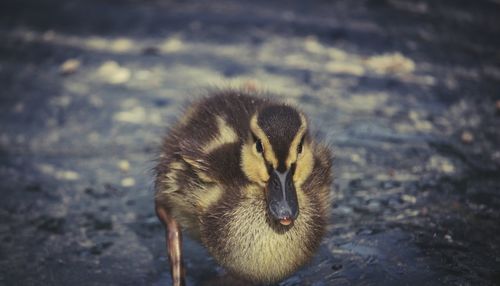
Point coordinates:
[[173, 238]]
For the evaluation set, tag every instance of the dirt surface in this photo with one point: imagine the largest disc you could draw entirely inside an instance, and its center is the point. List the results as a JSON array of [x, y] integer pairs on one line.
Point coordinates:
[[406, 92]]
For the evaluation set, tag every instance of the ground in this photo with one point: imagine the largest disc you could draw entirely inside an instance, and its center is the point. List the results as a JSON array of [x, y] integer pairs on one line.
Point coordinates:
[[406, 93]]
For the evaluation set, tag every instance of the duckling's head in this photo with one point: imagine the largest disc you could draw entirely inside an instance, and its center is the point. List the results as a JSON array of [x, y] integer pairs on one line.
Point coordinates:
[[278, 156]]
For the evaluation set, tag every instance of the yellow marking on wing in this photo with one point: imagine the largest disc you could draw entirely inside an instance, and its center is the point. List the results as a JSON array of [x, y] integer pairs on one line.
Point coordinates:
[[198, 167], [225, 135], [208, 197], [176, 166], [170, 179], [194, 163]]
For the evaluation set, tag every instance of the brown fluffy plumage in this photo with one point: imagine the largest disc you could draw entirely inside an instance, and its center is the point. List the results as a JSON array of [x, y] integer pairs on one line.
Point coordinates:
[[211, 178]]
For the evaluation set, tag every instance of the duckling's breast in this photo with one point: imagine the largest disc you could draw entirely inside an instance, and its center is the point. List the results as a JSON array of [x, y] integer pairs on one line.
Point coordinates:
[[242, 238]]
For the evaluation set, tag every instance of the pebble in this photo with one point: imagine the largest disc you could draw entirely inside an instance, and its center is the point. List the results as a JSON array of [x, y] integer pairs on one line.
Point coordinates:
[[171, 45], [135, 115], [312, 45], [448, 238], [392, 63], [128, 182], [67, 175], [111, 72], [124, 165], [345, 68], [441, 164], [467, 137], [70, 66], [447, 167], [409, 198], [122, 45]]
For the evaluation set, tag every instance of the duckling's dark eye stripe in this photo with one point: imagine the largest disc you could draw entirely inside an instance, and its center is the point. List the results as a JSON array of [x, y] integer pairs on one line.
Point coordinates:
[[258, 146], [258, 143], [301, 144], [269, 155]]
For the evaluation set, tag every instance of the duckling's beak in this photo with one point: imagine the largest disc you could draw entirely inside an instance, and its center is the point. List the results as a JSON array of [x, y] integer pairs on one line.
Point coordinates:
[[282, 197]]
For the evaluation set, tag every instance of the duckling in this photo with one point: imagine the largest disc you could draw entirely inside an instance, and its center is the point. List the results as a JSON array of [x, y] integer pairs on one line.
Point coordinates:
[[243, 175]]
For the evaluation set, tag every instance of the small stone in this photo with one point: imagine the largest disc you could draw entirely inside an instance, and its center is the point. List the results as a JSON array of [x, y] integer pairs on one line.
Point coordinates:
[[67, 175], [345, 210], [392, 63], [312, 45], [409, 198], [171, 45], [122, 45], [136, 115], [345, 68], [447, 167], [112, 73], [69, 66], [448, 238], [497, 106], [124, 165], [467, 137], [128, 182], [356, 158]]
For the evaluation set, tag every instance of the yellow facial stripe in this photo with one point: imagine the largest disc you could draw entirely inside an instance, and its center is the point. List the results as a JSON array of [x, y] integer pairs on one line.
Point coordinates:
[[268, 150], [253, 164], [292, 153], [305, 166], [226, 134]]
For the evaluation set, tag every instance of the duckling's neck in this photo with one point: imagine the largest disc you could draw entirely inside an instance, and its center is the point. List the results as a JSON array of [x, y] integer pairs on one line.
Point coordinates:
[[241, 236]]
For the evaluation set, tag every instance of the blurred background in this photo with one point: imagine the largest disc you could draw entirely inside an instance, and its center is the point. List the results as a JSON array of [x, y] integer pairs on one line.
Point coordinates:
[[406, 92]]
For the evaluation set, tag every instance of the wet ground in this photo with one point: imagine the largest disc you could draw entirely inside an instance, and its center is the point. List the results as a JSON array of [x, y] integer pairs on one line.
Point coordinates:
[[406, 92]]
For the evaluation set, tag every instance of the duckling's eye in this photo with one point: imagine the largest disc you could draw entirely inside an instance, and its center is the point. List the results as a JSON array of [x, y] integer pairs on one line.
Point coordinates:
[[300, 146], [258, 146]]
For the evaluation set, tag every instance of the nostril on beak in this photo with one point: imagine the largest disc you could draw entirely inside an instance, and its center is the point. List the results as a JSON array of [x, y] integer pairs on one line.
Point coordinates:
[[284, 214]]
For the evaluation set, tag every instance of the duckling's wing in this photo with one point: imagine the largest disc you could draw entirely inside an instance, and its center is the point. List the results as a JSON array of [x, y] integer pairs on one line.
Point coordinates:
[[211, 134]]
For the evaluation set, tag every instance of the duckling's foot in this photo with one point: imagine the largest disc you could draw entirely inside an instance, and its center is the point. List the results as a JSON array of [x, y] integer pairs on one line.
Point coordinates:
[[173, 238]]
